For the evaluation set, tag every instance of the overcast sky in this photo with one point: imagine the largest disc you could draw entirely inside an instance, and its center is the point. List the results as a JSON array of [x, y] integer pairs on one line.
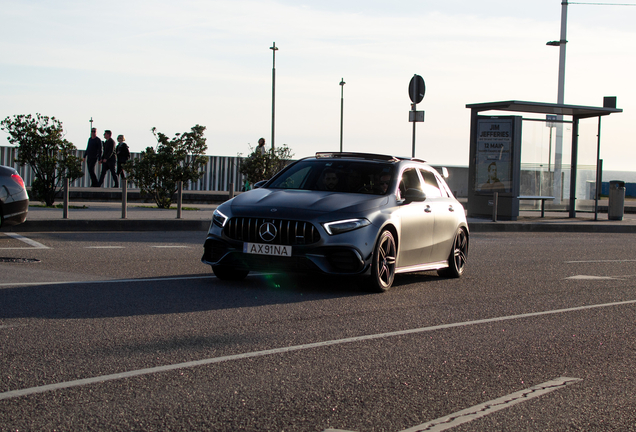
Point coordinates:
[[133, 65]]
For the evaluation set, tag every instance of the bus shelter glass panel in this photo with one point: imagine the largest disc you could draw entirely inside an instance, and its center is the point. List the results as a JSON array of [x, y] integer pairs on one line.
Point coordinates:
[[544, 170], [586, 167]]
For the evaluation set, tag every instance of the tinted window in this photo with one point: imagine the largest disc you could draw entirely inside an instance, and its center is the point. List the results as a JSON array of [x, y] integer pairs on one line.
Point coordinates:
[[336, 175]]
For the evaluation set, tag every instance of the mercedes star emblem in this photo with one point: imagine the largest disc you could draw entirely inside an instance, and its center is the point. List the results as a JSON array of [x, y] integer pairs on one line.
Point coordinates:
[[267, 231]]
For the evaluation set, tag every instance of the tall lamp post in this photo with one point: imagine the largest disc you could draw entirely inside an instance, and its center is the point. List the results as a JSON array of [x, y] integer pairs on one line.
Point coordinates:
[[558, 146], [342, 83], [274, 48]]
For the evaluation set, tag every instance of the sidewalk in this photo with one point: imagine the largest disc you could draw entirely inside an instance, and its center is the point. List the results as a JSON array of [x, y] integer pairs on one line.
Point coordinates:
[[107, 216], [531, 221]]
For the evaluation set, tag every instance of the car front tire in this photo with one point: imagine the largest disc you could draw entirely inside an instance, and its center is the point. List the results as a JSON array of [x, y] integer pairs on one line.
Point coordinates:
[[384, 259]]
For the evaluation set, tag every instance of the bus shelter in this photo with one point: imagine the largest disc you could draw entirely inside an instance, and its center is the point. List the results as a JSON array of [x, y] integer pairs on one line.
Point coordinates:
[[495, 147]]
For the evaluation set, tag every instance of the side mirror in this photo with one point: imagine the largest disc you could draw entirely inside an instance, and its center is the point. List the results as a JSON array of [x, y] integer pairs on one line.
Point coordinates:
[[414, 195], [259, 184], [445, 172]]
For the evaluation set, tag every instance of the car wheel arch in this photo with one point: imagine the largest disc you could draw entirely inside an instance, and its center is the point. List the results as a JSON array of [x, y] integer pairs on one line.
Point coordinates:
[[394, 232]]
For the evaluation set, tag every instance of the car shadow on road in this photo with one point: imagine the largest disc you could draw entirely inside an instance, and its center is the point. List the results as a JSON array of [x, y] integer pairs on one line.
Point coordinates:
[[179, 294]]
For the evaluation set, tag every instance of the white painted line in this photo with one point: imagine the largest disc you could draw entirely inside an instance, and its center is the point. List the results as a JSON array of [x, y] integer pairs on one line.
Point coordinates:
[[32, 243], [170, 246], [600, 261], [16, 284], [247, 355], [585, 277], [336, 430], [486, 408], [11, 325], [104, 247]]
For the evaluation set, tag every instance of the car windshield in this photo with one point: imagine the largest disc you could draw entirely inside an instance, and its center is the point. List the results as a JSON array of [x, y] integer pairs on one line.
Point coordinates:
[[350, 176]]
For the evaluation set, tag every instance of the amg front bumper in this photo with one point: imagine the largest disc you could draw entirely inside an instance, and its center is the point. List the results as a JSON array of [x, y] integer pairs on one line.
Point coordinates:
[[333, 260]]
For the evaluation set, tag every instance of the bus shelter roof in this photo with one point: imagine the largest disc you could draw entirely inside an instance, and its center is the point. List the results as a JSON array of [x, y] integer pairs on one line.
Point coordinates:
[[544, 108]]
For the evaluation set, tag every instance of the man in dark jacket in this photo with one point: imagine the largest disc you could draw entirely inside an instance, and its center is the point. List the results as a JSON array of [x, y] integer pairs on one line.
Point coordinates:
[[109, 159], [93, 154]]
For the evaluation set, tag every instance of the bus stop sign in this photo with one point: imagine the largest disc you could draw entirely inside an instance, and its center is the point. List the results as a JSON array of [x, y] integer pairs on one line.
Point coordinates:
[[417, 88]]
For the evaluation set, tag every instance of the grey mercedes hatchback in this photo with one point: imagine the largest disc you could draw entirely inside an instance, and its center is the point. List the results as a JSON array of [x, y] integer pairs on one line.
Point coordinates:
[[342, 214]]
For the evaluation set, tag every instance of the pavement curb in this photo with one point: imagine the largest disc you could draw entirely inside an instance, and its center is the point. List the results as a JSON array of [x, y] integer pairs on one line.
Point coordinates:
[[110, 225], [550, 227]]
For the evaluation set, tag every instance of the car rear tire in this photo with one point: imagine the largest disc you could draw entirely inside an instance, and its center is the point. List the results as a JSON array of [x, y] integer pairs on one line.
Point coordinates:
[[383, 266], [458, 256], [229, 273]]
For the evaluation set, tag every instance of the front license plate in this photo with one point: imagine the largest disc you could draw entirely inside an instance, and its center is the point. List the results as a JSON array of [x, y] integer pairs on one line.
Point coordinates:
[[265, 249]]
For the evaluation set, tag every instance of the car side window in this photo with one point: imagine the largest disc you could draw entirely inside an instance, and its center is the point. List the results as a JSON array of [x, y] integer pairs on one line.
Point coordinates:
[[409, 180], [431, 187], [446, 192]]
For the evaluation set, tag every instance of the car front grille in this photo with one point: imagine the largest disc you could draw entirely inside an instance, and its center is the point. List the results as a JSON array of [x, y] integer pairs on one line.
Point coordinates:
[[288, 232]]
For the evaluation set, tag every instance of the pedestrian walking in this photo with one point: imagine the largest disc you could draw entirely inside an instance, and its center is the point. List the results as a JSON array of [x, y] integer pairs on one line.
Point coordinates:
[[109, 158], [123, 154], [92, 154]]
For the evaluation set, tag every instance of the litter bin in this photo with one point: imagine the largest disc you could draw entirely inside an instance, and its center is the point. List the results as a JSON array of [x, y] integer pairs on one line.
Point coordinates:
[[616, 205]]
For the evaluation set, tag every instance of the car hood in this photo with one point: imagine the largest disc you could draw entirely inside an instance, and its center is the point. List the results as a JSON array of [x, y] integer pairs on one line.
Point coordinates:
[[301, 203]]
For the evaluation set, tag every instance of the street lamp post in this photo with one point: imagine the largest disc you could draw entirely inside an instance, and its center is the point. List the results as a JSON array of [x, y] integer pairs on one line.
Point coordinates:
[[274, 48], [342, 83], [558, 146]]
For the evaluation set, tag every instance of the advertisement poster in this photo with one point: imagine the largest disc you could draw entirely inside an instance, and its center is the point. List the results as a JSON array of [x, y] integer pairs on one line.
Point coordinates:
[[494, 163]]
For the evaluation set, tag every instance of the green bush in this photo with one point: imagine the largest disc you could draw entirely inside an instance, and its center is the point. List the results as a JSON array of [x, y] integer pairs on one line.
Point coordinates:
[[262, 166], [159, 169], [42, 146]]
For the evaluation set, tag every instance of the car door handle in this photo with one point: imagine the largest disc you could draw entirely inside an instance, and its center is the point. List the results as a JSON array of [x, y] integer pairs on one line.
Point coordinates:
[[428, 209]]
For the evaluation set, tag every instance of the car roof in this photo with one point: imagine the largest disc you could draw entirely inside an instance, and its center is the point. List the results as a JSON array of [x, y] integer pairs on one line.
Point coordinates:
[[365, 156]]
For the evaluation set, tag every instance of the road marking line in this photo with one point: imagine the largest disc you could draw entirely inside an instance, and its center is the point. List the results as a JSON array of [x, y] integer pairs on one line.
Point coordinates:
[[11, 325], [32, 243], [170, 246], [248, 355], [585, 277], [104, 247], [9, 284], [486, 408], [599, 261]]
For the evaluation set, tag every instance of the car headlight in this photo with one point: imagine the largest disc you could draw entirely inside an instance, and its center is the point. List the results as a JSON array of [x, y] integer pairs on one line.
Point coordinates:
[[219, 219], [339, 227]]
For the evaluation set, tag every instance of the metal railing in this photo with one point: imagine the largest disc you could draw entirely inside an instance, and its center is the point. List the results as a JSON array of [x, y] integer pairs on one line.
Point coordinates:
[[219, 172]]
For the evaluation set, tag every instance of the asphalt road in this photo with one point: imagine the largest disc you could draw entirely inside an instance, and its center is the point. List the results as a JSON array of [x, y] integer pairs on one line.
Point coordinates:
[[129, 331]]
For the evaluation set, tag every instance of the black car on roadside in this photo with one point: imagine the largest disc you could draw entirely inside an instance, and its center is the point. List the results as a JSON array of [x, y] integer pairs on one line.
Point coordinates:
[[14, 200]]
